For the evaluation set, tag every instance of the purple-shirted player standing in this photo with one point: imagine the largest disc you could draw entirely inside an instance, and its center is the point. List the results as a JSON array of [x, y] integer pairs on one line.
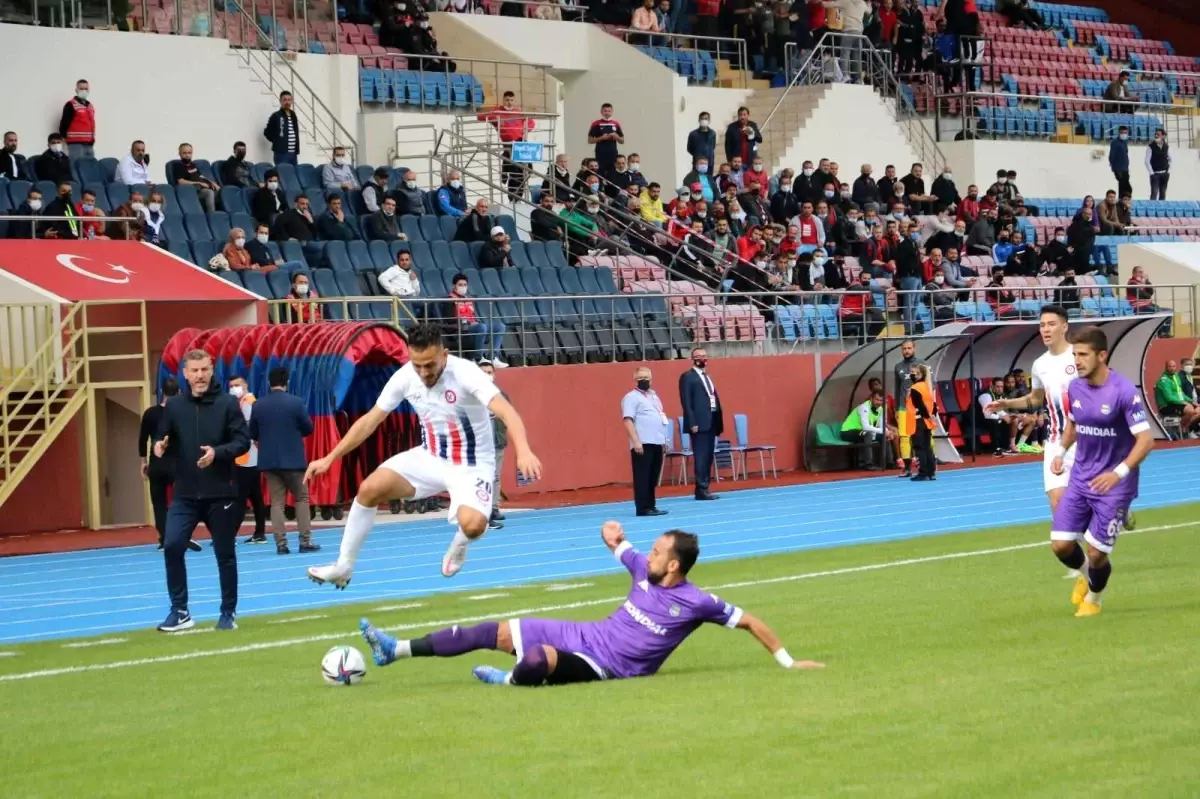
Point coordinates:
[[661, 611], [1106, 421]]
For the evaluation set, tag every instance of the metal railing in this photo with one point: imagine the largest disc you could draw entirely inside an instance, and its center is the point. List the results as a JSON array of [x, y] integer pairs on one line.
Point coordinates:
[[689, 45], [527, 81], [964, 113], [848, 58]]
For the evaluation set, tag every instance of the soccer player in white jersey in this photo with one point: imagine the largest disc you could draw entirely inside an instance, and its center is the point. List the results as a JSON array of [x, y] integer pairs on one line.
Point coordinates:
[[452, 398]]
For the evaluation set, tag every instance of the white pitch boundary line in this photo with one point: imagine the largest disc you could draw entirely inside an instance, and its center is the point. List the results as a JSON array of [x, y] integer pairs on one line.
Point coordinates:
[[295, 619], [405, 606], [479, 597], [240, 650], [567, 586], [101, 642]]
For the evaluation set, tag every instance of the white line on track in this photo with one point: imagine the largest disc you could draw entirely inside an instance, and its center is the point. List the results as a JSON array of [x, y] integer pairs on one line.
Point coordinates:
[[405, 606], [264, 645], [101, 642], [195, 631], [295, 619], [567, 586], [478, 597]]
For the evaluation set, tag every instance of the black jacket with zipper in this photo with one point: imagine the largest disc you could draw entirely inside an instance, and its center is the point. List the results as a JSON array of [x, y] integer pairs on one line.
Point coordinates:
[[215, 420]]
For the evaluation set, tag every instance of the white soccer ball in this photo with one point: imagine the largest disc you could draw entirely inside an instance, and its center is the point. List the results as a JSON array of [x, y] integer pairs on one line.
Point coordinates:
[[343, 665]]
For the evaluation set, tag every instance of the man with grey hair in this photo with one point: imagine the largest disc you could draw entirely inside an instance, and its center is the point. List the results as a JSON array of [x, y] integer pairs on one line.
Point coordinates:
[[338, 174], [646, 425], [204, 430]]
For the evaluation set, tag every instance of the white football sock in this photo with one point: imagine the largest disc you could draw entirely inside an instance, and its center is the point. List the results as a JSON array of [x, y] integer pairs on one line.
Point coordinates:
[[403, 649], [460, 538], [1092, 597], [359, 522]]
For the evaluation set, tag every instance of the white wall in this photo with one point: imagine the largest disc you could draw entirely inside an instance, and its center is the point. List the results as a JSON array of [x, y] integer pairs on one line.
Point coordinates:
[[1065, 170], [722, 106]]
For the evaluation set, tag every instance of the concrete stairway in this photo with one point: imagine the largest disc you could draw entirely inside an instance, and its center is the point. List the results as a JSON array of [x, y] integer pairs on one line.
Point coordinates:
[[785, 126]]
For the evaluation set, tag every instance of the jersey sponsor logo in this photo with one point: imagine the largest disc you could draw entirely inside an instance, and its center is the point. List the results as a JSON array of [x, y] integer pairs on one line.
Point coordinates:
[[674, 610], [1136, 400], [641, 618], [1070, 369], [1092, 430], [1106, 409], [450, 396]]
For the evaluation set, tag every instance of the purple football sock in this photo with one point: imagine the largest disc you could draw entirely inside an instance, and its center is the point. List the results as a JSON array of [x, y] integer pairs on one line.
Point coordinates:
[[457, 641], [532, 669]]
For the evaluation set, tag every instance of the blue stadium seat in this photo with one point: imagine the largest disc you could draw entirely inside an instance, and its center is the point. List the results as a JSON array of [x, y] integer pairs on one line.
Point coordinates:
[[231, 276], [462, 254], [245, 222], [336, 257], [442, 257], [411, 227], [174, 230], [179, 247], [257, 283], [433, 284], [203, 252], [309, 177], [293, 251], [536, 253], [431, 230], [422, 256], [380, 257], [360, 256], [232, 200], [88, 170], [449, 225], [518, 255], [197, 227], [280, 284], [218, 223]]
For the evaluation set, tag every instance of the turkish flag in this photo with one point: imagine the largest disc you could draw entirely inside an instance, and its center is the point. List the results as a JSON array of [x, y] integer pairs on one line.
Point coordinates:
[[113, 270]]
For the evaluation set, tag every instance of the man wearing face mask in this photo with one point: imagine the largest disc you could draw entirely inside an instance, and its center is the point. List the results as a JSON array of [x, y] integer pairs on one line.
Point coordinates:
[[54, 164], [702, 417], [269, 201], [283, 131], [606, 134], [1159, 160], [184, 172], [235, 170], [61, 205], [909, 273], [383, 225], [338, 174], [618, 179], [408, 197], [452, 197], [645, 424], [702, 142], [944, 190], [78, 124], [31, 207], [1118, 161]]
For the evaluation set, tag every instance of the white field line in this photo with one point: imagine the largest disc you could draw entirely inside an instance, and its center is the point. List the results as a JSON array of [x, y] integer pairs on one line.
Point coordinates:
[[567, 586], [478, 597], [239, 650], [404, 606], [101, 642], [295, 619]]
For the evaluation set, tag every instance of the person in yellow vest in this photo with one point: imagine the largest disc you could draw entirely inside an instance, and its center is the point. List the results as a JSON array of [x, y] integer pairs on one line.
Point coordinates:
[[865, 425], [922, 408], [248, 479]]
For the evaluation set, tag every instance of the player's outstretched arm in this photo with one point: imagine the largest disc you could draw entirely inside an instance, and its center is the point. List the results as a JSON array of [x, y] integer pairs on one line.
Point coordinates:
[[359, 432], [527, 462], [764, 635]]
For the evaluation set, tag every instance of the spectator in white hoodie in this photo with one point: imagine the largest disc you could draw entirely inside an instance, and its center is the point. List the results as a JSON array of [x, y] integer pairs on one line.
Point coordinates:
[[853, 13]]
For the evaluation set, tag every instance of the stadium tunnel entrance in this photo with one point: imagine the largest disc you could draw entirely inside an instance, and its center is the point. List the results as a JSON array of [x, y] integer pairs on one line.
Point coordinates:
[[960, 357]]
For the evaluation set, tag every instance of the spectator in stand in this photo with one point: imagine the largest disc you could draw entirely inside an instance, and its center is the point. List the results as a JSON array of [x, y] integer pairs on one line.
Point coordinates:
[[750, 247], [409, 199], [618, 180], [235, 253], [908, 274], [1171, 400], [820, 179], [757, 179], [582, 230], [1159, 160], [1067, 292], [333, 224], [910, 38], [1139, 291], [485, 338], [86, 207], [645, 19], [301, 308], [637, 181], [452, 197], [78, 125], [1118, 99], [1125, 216], [338, 175], [696, 254], [133, 208], [887, 187], [811, 232], [1003, 247], [558, 183], [865, 189], [296, 223], [852, 13], [590, 166], [941, 297], [261, 257], [1081, 238], [544, 224], [956, 277], [877, 255], [476, 225], [549, 11], [400, 279], [134, 168], [702, 142], [757, 211], [153, 219], [969, 207], [921, 201], [1005, 194], [1056, 255], [606, 133], [1186, 380], [945, 191], [742, 138], [860, 316], [666, 20], [1118, 161], [186, 173], [32, 206], [995, 424], [1020, 425], [784, 204], [865, 426], [235, 170], [1002, 299], [938, 230], [376, 189], [512, 126], [61, 205], [12, 164], [1110, 224], [652, 207], [269, 201], [802, 186], [724, 242], [497, 252], [383, 225], [931, 265], [283, 131], [699, 181]]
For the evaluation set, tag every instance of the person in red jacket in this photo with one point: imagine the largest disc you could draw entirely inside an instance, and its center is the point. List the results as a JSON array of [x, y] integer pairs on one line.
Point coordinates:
[[751, 246], [512, 126], [87, 208], [809, 226], [78, 125], [968, 209], [707, 13]]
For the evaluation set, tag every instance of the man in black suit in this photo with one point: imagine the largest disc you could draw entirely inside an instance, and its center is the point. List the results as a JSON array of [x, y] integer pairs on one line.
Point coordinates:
[[279, 423], [702, 417]]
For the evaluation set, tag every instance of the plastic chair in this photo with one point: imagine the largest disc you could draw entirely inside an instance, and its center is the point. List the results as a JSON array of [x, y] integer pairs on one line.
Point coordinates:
[[741, 425]]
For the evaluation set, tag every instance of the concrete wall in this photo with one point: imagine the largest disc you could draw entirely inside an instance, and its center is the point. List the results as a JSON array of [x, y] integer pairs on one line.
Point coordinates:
[[1065, 170]]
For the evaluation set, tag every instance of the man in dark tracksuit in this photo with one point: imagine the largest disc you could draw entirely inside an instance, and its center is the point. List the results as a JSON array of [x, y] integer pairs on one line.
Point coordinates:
[[205, 431], [159, 472]]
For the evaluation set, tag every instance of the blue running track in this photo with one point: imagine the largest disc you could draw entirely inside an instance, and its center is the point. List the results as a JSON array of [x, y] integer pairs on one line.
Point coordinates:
[[106, 591]]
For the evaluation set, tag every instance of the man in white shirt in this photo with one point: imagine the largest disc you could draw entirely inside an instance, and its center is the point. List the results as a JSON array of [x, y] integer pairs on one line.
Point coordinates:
[[646, 425], [401, 280], [995, 422], [135, 167]]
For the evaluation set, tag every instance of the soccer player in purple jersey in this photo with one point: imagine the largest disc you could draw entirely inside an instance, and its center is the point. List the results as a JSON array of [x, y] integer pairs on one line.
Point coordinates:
[[1106, 421], [661, 611]]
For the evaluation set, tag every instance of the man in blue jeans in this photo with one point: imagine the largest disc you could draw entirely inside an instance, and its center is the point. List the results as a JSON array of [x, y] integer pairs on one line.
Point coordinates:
[[204, 430], [485, 337]]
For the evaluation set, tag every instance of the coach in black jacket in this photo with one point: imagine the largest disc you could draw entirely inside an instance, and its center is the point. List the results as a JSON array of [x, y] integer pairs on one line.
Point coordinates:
[[203, 428], [702, 417]]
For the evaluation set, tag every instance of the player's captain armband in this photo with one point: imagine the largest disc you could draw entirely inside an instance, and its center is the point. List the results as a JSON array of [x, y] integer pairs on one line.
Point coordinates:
[[783, 658], [1122, 471]]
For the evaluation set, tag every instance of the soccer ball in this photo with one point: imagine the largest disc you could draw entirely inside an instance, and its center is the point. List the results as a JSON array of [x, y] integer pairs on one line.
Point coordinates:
[[343, 665]]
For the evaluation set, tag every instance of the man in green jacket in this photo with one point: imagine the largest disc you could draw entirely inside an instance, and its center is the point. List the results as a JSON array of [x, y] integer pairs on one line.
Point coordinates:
[[1171, 401], [865, 425]]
